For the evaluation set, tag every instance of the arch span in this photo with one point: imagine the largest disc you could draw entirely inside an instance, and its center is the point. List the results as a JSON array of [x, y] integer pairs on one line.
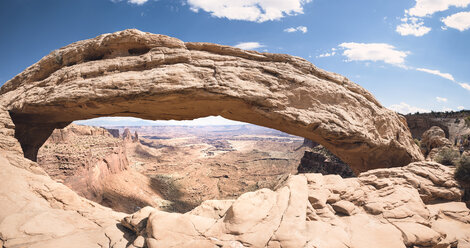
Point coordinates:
[[132, 73]]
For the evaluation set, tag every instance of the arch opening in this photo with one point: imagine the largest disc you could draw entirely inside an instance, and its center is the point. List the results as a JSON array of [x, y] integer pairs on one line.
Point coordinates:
[[158, 77], [126, 163]]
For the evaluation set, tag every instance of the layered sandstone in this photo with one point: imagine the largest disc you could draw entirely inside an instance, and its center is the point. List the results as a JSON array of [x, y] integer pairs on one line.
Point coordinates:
[[132, 73], [138, 74], [94, 164], [412, 206], [452, 123], [433, 140]]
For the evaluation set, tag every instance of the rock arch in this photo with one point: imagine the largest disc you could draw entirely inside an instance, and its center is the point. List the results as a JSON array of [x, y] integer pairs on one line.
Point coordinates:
[[132, 73]]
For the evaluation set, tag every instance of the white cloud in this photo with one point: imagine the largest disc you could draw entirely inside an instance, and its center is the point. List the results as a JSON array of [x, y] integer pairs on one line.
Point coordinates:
[[438, 73], [444, 75], [404, 108], [302, 29], [412, 26], [441, 99], [459, 21], [249, 10], [412, 23], [138, 2], [460, 107], [424, 8], [465, 86], [323, 55], [374, 52], [249, 45]]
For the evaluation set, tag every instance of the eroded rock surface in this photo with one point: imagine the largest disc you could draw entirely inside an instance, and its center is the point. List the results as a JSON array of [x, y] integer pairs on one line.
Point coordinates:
[[432, 140], [417, 205], [132, 73], [320, 160], [93, 163], [413, 206]]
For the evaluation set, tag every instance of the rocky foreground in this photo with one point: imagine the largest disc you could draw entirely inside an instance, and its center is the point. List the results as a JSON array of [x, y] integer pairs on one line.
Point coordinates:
[[416, 205]]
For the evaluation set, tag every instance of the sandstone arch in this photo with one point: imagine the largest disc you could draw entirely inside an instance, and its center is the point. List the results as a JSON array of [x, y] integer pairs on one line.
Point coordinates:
[[132, 73]]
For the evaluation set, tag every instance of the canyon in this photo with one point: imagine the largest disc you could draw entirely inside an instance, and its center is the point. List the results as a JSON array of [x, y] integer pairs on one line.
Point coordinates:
[[391, 197]]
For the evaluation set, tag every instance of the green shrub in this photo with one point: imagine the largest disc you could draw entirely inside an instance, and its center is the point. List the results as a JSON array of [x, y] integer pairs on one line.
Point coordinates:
[[448, 156], [462, 173], [417, 142]]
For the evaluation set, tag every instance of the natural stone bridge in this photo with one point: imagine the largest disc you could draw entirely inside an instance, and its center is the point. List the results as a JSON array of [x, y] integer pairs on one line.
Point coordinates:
[[132, 73]]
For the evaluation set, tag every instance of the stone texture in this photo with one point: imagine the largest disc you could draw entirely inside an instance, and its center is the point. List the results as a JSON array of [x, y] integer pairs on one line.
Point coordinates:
[[132, 73], [38, 212], [433, 139], [93, 163], [402, 216], [415, 205], [320, 160]]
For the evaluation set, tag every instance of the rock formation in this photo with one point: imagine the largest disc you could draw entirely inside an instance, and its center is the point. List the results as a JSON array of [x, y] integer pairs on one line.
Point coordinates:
[[91, 162], [399, 207], [135, 138], [113, 132], [157, 77], [433, 139], [132, 73], [126, 135], [452, 123], [320, 160]]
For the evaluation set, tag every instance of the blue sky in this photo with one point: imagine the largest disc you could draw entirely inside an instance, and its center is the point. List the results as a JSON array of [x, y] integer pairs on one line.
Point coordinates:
[[413, 55]]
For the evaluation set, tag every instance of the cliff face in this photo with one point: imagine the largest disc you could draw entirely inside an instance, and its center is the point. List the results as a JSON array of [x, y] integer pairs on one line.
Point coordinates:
[[320, 160], [93, 163], [452, 123]]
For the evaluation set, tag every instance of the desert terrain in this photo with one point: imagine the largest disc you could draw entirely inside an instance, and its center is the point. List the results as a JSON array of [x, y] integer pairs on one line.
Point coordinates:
[[184, 165], [345, 172]]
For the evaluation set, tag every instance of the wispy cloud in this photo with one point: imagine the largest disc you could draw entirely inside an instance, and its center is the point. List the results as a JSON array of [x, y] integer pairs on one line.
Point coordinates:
[[459, 21], [465, 86], [404, 108], [249, 45], [138, 2], [441, 99], [252, 10], [324, 55], [302, 29], [437, 73], [374, 52], [460, 107], [446, 76]]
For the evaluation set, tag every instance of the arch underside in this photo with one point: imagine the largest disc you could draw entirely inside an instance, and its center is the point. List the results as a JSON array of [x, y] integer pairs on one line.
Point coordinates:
[[155, 77]]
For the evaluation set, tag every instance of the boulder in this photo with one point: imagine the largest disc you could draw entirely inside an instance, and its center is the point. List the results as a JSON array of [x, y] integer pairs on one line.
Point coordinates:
[[433, 139], [381, 208]]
